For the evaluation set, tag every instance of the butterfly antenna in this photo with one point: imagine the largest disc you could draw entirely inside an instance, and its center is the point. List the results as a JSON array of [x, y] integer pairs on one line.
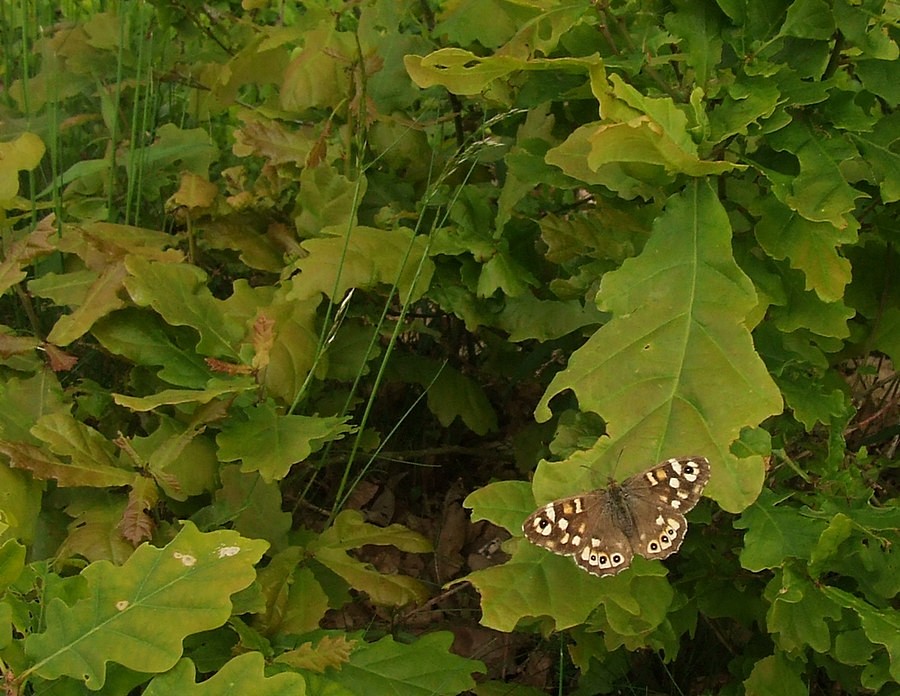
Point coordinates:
[[612, 475]]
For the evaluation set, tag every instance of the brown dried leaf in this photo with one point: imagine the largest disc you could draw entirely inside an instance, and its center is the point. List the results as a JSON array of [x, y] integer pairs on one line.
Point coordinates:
[[137, 525], [361, 494], [227, 367], [60, 361], [450, 541]]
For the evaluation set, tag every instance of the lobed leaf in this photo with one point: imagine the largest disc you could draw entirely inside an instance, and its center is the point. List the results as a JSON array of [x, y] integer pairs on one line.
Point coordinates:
[[20, 504], [96, 531], [523, 587], [675, 350], [271, 443], [295, 601], [880, 625], [423, 668], [101, 299], [65, 289], [328, 652], [12, 561], [349, 531], [451, 394], [71, 438], [138, 614], [34, 245], [775, 533], [383, 588], [365, 258], [242, 675], [776, 674], [801, 614], [252, 505], [821, 192], [178, 292], [879, 149], [812, 247], [22, 154]]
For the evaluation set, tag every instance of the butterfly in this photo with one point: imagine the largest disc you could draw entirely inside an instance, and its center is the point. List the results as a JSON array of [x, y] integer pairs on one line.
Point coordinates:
[[644, 514]]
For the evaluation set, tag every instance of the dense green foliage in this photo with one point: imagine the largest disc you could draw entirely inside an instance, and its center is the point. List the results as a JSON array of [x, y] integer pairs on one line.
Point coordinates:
[[259, 254]]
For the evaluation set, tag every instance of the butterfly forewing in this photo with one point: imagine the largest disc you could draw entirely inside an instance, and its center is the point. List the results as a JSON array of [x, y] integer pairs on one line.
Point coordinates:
[[643, 515]]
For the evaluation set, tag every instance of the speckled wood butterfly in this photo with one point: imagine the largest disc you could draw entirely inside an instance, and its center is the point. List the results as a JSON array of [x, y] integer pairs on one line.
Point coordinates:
[[643, 515]]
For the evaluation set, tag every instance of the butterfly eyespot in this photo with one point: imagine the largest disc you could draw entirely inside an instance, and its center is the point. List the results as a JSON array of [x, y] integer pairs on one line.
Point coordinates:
[[654, 546]]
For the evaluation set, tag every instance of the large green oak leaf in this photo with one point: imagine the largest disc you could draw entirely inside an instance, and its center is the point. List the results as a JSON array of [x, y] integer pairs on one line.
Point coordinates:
[[138, 614], [674, 372]]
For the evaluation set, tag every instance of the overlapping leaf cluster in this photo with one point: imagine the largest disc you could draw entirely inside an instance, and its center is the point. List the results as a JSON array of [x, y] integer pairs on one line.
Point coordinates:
[[228, 234]]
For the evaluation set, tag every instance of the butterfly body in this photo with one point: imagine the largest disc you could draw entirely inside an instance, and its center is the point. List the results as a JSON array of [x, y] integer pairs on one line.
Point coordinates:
[[603, 529]]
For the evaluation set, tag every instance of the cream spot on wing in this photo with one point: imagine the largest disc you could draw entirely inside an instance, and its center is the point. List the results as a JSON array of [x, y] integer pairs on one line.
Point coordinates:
[[541, 528]]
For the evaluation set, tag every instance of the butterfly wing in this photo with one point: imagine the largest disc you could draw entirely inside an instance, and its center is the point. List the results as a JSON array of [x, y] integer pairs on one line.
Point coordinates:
[[582, 526], [658, 500]]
